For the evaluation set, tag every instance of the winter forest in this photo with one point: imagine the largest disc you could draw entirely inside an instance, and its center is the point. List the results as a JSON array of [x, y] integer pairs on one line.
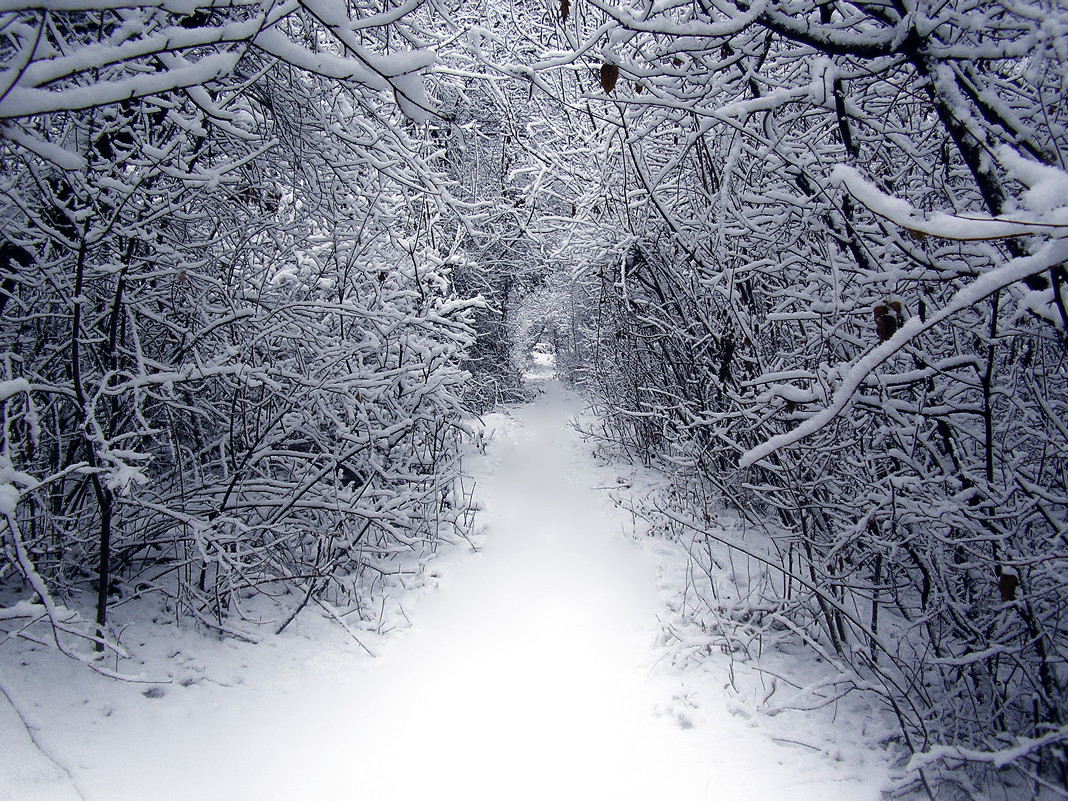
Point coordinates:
[[263, 265]]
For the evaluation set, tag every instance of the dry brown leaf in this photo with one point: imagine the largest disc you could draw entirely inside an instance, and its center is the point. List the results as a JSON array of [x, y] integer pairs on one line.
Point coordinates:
[[886, 322], [609, 76]]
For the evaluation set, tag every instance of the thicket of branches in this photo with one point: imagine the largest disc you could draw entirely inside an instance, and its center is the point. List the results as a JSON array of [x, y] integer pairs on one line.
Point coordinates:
[[228, 335], [496, 263], [812, 255], [511, 151], [828, 285]]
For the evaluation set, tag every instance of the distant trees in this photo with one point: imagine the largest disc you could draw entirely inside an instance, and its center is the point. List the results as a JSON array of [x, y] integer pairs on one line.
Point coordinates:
[[837, 296], [494, 150], [493, 252], [229, 343]]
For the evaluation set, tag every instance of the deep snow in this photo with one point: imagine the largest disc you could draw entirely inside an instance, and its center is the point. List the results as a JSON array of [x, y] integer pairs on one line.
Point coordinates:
[[537, 668]]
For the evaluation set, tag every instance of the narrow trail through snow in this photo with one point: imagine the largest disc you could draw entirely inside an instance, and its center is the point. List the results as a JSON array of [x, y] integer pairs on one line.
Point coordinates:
[[525, 672], [525, 675]]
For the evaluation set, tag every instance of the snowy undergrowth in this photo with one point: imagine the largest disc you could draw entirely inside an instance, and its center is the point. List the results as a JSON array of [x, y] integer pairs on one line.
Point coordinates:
[[726, 658], [176, 723], [713, 655]]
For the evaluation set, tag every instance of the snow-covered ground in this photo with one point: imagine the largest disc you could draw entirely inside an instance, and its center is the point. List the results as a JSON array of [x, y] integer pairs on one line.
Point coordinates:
[[534, 668]]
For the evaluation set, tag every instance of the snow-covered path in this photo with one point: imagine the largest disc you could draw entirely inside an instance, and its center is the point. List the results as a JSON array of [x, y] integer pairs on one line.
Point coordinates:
[[524, 678], [526, 675]]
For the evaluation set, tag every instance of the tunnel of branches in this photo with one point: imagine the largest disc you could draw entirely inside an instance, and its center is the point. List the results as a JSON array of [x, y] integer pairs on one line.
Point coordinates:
[[260, 263]]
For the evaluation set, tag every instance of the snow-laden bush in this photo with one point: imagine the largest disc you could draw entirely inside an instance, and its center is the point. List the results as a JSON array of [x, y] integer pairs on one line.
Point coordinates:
[[229, 348], [831, 290]]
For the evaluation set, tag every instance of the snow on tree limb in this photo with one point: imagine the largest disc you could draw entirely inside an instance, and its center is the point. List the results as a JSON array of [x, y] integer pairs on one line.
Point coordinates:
[[21, 102], [156, 51], [1050, 218], [1052, 253]]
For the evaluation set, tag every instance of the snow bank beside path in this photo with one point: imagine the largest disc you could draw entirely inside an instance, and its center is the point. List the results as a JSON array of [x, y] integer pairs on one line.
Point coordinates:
[[535, 668]]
